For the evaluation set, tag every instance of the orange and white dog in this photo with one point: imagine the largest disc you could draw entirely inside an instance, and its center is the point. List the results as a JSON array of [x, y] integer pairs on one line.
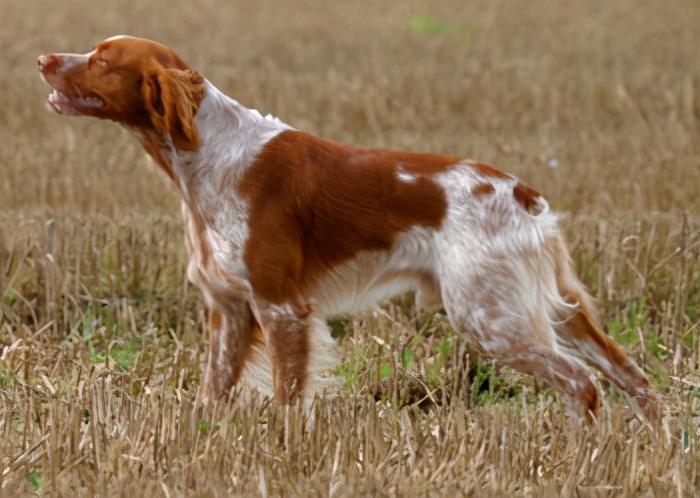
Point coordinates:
[[285, 229]]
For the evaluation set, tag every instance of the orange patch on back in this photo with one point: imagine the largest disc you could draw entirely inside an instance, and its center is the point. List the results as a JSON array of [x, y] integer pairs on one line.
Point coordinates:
[[487, 170], [527, 198], [315, 204], [483, 189]]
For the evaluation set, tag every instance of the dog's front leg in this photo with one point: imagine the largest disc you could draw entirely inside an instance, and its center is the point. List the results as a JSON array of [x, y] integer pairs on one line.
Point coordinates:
[[285, 328], [230, 335]]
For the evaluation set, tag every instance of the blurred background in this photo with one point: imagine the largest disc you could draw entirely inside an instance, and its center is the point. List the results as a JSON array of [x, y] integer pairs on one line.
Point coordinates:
[[596, 104]]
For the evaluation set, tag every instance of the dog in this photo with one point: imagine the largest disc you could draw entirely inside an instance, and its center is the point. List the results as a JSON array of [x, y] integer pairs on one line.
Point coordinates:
[[285, 229]]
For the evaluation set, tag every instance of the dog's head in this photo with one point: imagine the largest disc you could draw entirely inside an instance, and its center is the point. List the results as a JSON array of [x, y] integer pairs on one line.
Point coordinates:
[[136, 82]]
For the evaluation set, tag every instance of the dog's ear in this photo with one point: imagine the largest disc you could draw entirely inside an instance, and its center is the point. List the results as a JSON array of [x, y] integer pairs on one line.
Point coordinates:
[[171, 98]]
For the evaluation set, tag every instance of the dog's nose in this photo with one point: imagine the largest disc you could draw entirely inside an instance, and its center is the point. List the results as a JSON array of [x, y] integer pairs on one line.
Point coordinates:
[[48, 63]]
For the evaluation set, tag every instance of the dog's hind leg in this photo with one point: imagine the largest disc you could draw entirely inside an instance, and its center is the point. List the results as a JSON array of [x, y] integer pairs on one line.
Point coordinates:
[[490, 310]]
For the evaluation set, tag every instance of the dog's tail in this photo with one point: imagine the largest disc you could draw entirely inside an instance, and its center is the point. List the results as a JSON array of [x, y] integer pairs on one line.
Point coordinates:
[[579, 332]]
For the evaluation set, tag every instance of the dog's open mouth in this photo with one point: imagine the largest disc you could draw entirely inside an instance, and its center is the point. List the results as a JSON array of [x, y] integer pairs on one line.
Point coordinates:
[[73, 106]]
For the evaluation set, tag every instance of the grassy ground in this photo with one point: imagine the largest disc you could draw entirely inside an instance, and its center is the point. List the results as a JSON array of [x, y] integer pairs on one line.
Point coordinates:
[[596, 104]]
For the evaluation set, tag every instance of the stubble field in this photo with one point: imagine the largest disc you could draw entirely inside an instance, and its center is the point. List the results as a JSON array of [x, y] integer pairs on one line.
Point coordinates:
[[596, 104]]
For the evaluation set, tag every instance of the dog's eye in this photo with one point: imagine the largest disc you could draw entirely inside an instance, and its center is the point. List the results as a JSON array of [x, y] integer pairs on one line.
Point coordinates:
[[97, 60]]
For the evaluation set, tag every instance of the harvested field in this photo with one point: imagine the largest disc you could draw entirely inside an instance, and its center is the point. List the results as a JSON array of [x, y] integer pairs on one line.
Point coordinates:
[[596, 104]]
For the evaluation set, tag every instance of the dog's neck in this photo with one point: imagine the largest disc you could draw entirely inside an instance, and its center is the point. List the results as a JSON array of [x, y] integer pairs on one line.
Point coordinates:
[[231, 137]]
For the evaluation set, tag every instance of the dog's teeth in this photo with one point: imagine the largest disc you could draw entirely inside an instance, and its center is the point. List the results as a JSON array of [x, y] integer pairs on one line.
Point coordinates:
[[91, 102]]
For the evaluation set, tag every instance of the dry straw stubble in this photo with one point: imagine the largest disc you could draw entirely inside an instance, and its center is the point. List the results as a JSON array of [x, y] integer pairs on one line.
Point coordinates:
[[597, 104]]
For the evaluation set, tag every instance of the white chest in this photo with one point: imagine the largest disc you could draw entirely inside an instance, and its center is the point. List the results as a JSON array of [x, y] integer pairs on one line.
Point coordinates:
[[215, 246]]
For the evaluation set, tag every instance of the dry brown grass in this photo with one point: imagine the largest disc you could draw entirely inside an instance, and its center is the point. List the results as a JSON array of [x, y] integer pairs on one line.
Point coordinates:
[[102, 337]]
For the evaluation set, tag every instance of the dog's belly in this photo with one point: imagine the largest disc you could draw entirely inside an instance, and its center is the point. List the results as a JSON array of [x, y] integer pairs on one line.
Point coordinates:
[[375, 276]]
